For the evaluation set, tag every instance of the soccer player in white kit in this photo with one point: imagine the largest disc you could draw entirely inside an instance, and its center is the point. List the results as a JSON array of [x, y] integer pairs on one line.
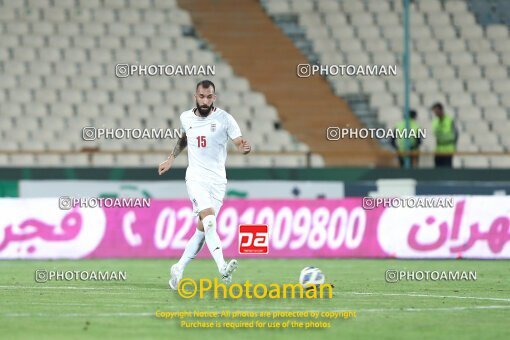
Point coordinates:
[[206, 130]]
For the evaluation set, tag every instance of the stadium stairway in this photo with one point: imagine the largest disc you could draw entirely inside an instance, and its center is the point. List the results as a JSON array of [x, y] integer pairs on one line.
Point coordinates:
[[243, 34]]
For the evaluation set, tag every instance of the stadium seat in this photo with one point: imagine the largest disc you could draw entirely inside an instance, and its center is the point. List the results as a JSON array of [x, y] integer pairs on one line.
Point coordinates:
[[102, 160], [49, 160], [127, 160], [500, 162], [21, 160], [475, 162], [259, 161], [236, 161]]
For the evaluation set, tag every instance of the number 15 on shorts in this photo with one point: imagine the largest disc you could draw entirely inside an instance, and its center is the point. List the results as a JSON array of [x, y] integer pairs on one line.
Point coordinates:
[[253, 239]]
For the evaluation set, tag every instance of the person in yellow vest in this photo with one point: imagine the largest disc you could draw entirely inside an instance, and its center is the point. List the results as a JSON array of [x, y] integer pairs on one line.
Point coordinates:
[[414, 143], [446, 136]]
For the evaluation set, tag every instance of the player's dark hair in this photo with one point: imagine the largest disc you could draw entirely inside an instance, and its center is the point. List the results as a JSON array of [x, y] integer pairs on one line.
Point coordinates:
[[206, 84], [413, 114], [437, 106]]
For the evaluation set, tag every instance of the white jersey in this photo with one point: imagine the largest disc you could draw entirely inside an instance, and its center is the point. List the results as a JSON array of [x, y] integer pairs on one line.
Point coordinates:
[[207, 144]]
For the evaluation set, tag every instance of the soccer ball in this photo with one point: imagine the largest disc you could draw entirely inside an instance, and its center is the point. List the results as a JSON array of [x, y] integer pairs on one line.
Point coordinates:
[[311, 276]]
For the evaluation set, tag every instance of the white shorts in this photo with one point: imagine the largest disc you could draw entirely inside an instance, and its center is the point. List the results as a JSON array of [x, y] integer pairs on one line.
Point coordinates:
[[204, 195]]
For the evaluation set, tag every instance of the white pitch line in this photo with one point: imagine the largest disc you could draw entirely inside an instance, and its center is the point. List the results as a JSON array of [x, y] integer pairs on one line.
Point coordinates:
[[411, 294], [445, 309], [87, 304], [22, 315], [78, 288], [378, 310], [431, 296]]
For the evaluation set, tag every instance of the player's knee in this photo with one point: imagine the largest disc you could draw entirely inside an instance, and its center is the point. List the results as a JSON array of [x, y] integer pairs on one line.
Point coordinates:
[[206, 212], [209, 222], [200, 225]]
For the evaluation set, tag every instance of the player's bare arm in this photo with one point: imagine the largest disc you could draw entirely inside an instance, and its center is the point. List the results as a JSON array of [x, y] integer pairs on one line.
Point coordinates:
[[242, 145], [181, 144]]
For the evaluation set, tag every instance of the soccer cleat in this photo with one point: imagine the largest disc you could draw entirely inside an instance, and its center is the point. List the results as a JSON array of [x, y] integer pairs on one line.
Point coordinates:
[[175, 276], [227, 270]]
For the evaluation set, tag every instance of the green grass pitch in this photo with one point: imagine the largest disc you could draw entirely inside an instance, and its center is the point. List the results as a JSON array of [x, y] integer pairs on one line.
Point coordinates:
[[413, 310]]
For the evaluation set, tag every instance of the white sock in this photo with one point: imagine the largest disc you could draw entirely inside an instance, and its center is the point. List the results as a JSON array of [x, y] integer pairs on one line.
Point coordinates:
[[213, 240], [193, 247]]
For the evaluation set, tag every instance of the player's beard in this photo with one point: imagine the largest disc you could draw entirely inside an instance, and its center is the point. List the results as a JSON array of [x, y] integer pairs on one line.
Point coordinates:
[[204, 110]]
